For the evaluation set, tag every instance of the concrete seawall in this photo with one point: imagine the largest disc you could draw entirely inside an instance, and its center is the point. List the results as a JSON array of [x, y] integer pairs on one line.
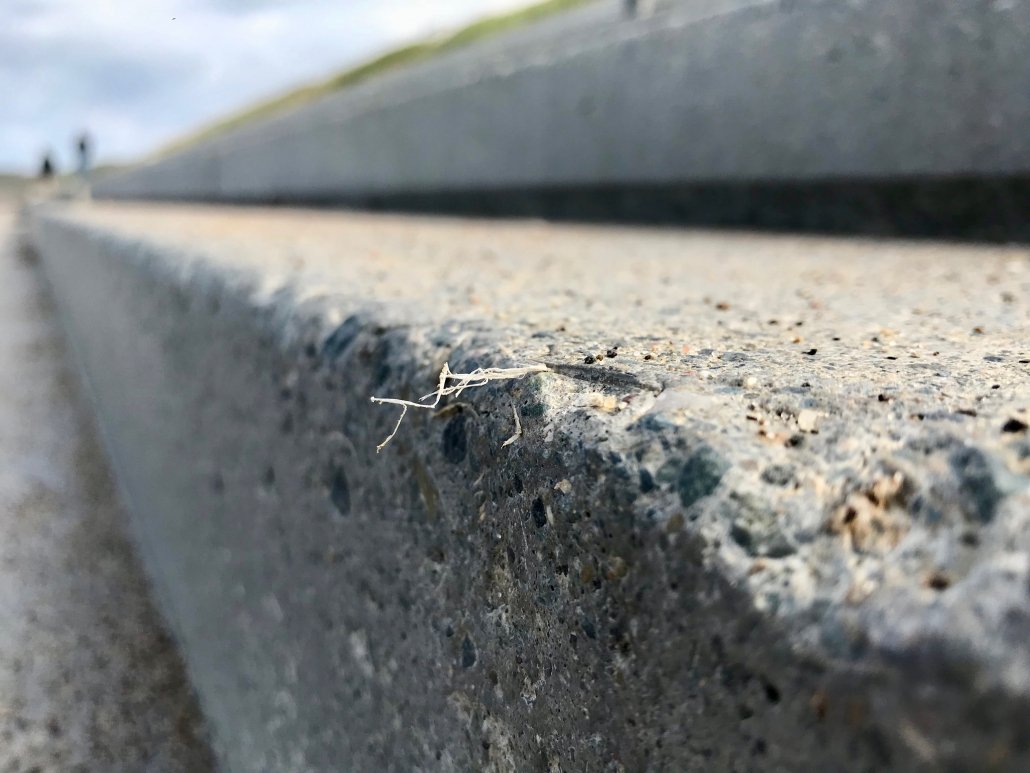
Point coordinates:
[[767, 508], [720, 92]]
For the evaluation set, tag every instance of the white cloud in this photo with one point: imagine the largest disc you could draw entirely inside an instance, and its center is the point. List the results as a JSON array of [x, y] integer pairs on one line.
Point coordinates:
[[138, 74]]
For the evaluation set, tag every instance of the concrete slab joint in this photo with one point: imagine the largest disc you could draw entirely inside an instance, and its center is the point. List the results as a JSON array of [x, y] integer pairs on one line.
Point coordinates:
[[766, 508]]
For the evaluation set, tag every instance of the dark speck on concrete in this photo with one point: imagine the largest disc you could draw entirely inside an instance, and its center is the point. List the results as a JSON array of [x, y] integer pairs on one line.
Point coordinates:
[[977, 487], [700, 476], [589, 359], [1014, 425], [539, 513], [532, 410], [589, 629], [468, 653], [455, 440], [646, 481], [339, 492], [778, 475], [384, 370], [341, 338]]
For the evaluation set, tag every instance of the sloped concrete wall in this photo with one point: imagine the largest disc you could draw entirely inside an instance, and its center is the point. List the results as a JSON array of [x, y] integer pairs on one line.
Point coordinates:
[[729, 90]]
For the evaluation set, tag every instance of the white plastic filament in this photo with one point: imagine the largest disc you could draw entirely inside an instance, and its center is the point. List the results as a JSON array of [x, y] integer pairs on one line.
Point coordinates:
[[451, 383]]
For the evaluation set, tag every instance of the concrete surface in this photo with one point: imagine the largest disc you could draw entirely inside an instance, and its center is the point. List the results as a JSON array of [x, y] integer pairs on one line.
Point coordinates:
[[89, 679], [721, 91], [769, 508]]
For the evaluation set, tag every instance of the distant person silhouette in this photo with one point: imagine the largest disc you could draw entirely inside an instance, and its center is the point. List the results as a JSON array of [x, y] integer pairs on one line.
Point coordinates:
[[46, 170], [84, 152], [634, 8], [83, 145]]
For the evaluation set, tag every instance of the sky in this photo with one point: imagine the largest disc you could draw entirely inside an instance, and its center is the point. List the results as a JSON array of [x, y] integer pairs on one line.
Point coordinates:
[[138, 73]]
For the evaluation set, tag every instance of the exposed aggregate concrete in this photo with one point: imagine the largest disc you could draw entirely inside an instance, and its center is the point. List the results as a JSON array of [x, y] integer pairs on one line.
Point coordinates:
[[770, 508]]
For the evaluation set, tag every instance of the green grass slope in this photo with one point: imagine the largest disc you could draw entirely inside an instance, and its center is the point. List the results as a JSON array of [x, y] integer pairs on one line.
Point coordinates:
[[391, 60]]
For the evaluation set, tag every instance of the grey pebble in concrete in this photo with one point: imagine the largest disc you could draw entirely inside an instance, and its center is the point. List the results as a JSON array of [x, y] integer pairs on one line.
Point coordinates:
[[768, 510], [89, 678]]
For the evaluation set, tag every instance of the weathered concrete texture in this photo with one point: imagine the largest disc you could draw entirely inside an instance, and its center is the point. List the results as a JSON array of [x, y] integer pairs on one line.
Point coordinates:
[[722, 90], [89, 679], [780, 519]]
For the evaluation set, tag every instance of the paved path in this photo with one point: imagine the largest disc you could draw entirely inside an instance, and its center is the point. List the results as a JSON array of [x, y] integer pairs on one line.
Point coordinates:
[[89, 679]]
